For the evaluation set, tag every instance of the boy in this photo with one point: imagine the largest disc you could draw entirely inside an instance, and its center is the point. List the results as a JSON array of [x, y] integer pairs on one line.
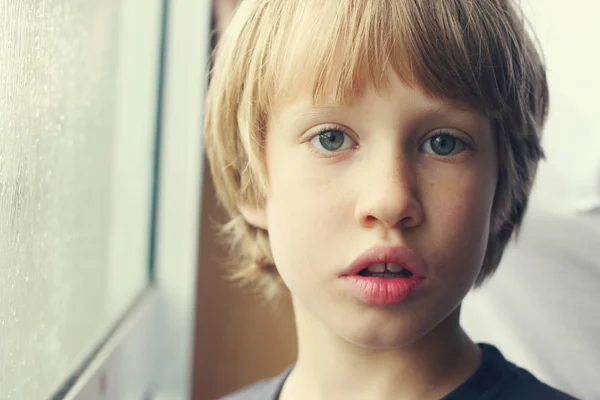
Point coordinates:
[[375, 157]]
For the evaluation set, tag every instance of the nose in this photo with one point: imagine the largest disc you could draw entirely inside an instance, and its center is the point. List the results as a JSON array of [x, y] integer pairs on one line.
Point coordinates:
[[390, 197]]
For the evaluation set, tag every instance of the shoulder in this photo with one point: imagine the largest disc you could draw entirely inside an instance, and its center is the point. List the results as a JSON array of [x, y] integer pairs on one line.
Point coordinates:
[[259, 390], [517, 383], [266, 389], [523, 385]]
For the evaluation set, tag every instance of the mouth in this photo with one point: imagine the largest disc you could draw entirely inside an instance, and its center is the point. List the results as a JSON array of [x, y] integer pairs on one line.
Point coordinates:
[[386, 271], [387, 263], [385, 276]]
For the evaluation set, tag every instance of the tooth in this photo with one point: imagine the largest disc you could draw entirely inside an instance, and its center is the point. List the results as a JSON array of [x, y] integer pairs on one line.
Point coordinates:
[[379, 267], [394, 267]]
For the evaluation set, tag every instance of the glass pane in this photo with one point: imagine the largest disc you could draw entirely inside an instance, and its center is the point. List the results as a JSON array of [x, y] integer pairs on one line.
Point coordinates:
[[78, 96]]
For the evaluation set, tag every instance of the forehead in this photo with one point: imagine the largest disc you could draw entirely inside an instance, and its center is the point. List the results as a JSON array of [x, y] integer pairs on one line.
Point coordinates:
[[310, 95], [301, 100], [396, 103]]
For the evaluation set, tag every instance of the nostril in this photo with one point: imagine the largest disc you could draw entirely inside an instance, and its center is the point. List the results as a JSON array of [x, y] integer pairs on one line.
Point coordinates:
[[389, 210]]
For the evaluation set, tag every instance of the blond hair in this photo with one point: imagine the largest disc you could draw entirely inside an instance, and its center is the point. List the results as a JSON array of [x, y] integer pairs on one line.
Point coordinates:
[[476, 52]]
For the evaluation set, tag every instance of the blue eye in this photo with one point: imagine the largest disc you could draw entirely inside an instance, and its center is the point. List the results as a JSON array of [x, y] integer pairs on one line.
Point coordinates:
[[443, 144], [332, 140]]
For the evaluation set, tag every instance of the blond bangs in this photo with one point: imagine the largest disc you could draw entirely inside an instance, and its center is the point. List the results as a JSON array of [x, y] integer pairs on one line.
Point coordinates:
[[342, 50], [339, 48]]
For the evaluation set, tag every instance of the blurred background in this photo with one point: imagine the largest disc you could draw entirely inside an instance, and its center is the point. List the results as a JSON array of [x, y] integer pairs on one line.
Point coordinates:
[[111, 284]]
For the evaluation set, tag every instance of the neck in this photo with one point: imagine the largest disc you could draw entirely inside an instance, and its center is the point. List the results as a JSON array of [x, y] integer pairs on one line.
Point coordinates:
[[330, 367]]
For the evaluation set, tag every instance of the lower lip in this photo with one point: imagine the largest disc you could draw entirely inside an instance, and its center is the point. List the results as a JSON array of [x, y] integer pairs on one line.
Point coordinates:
[[381, 291]]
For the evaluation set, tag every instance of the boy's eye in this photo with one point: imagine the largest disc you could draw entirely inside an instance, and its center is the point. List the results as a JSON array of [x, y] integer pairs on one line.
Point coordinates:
[[332, 140], [443, 144]]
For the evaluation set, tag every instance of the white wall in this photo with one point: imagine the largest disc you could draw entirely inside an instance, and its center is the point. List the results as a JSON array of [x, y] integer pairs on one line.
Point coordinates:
[[569, 33], [542, 306]]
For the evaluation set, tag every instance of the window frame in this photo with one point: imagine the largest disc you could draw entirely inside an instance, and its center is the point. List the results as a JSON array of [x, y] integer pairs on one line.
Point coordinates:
[[149, 352]]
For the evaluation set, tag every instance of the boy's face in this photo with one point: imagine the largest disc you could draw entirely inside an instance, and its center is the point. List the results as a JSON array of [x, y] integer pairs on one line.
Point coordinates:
[[394, 169]]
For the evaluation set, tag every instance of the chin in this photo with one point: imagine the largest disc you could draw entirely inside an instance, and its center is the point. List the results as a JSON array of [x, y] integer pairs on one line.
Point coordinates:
[[383, 333]]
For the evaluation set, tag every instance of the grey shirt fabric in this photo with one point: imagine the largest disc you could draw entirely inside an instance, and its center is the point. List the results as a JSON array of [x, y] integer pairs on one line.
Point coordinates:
[[495, 379], [266, 389]]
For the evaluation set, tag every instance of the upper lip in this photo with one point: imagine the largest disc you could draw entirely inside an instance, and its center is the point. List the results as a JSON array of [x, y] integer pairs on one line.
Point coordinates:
[[400, 255]]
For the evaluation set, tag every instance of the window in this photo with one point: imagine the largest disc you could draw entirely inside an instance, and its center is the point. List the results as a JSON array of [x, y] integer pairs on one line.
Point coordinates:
[[97, 123]]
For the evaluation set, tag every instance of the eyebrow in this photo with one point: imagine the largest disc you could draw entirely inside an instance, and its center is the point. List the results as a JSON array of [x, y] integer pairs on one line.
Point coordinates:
[[466, 117], [447, 106], [438, 108], [307, 111]]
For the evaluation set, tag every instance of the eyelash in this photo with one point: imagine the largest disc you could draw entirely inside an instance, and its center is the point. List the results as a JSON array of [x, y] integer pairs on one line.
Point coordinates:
[[341, 129], [330, 128], [454, 136]]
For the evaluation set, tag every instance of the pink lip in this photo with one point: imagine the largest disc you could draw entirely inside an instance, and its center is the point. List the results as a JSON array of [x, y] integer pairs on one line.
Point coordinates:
[[384, 291]]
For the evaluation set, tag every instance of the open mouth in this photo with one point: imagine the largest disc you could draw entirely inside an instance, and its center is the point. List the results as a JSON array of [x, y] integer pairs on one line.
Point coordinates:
[[386, 271]]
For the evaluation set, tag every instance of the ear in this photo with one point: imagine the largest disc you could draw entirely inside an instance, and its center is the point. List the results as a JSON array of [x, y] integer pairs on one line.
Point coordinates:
[[254, 215]]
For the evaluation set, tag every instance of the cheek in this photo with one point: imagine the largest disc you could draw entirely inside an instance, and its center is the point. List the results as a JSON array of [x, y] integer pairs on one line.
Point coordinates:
[[458, 213], [306, 197], [306, 213], [301, 242]]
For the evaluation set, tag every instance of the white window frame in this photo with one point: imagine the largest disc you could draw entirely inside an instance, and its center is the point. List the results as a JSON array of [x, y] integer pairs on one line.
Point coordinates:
[[149, 354]]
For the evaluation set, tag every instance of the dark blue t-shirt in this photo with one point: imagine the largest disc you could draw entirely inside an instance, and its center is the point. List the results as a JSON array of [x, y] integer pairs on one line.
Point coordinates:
[[495, 379]]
